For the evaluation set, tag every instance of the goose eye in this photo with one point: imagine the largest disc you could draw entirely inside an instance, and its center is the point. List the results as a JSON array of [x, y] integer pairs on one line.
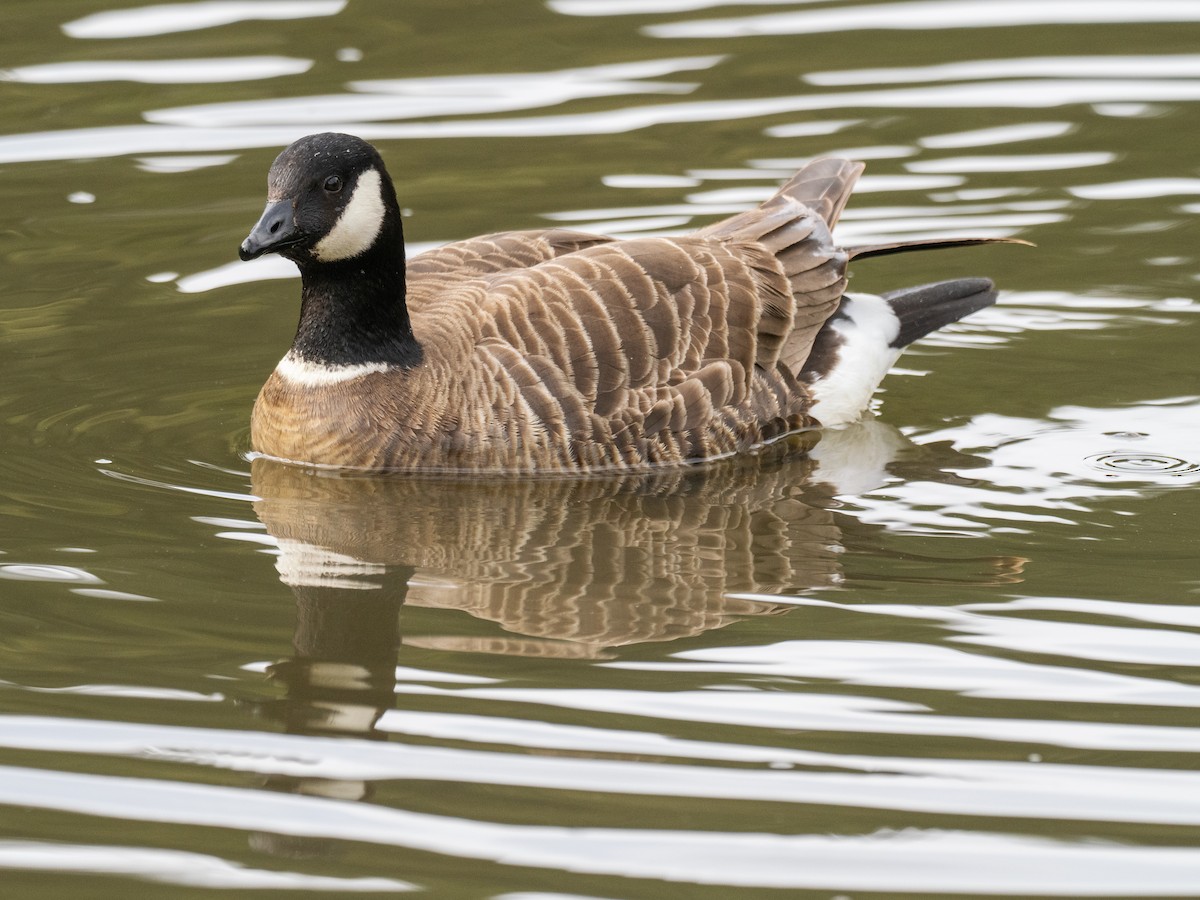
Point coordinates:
[[333, 184]]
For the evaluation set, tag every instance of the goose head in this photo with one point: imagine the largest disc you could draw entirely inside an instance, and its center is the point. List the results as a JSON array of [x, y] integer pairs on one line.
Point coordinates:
[[329, 199]]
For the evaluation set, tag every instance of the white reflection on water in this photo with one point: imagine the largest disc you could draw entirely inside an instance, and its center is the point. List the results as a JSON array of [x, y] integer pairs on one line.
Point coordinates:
[[1138, 645], [43, 572], [937, 14], [858, 224], [1138, 189], [838, 713], [170, 18], [1000, 134], [183, 163], [359, 113], [176, 867], [410, 98], [934, 785], [891, 664], [1184, 65], [1016, 162], [635, 7], [1049, 470], [160, 71], [1062, 447], [914, 860], [123, 691], [642, 182]]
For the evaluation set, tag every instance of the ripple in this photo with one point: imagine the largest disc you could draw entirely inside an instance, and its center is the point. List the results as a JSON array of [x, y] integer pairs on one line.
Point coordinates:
[[889, 664], [171, 18], [166, 485], [1158, 66], [642, 7], [407, 98], [165, 71], [910, 861], [36, 572], [934, 15], [176, 867], [1138, 189], [1043, 162], [1142, 463], [1043, 471], [182, 163], [305, 117], [1002, 134]]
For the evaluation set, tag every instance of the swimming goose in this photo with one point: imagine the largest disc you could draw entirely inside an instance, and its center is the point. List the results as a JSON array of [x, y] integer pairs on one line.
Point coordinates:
[[561, 351]]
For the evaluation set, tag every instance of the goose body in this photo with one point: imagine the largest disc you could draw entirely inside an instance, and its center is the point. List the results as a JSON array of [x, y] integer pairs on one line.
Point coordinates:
[[562, 351]]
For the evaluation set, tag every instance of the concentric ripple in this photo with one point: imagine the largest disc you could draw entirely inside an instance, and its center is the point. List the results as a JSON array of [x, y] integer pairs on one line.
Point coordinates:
[[1142, 463]]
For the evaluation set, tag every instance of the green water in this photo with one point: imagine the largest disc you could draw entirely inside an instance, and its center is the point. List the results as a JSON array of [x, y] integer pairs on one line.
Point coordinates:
[[953, 652]]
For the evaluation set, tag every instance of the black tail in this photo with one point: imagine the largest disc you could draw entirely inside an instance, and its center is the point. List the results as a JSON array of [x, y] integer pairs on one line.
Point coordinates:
[[930, 306], [927, 244]]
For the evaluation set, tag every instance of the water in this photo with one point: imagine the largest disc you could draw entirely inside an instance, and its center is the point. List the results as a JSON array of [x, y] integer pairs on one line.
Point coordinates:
[[950, 652]]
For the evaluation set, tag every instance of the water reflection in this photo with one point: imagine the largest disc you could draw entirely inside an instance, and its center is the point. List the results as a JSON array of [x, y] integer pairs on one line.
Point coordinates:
[[172, 18], [1183, 65], [165, 71], [965, 666], [409, 98], [928, 15], [565, 567]]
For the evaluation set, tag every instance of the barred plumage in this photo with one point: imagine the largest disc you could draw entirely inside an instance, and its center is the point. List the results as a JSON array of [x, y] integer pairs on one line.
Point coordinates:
[[547, 350]]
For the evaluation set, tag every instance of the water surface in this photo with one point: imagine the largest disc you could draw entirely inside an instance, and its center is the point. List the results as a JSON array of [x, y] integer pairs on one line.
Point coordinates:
[[949, 652]]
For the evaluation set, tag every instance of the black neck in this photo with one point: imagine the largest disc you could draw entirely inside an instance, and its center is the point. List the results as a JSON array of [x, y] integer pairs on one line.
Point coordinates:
[[353, 311]]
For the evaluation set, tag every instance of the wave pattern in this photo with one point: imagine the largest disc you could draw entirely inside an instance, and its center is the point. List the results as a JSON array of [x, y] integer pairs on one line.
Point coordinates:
[[955, 657]]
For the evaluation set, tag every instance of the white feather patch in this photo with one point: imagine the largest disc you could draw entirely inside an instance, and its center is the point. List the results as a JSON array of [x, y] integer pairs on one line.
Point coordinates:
[[303, 373], [357, 227], [864, 358]]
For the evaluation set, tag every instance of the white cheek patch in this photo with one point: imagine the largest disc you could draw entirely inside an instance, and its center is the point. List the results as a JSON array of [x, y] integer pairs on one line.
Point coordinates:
[[358, 225], [302, 373]]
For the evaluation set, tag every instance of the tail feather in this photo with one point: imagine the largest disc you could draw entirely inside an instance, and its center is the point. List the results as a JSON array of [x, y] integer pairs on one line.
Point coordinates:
[[824, 186], [860, 342], [802, 331], [927, 308], [927, 244]]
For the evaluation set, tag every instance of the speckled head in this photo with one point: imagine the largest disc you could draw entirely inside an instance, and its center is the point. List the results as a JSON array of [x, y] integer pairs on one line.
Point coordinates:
[[329, 199]]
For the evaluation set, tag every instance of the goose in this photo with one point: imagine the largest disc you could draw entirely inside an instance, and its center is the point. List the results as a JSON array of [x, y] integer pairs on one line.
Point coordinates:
[[560, 351]]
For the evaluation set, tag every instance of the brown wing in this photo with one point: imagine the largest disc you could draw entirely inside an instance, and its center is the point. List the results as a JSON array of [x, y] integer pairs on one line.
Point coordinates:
[[432, 272], [652, 349], [647, 336], [651, 311]]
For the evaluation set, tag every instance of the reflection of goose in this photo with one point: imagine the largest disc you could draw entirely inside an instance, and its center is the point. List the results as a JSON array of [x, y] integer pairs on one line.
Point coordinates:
[[560, 350], [571, 566], [567, 568]]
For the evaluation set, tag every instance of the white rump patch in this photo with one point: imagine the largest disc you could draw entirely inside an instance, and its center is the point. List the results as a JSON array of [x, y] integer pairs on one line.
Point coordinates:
[[301, 372], [864, 358], [358, 225]]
